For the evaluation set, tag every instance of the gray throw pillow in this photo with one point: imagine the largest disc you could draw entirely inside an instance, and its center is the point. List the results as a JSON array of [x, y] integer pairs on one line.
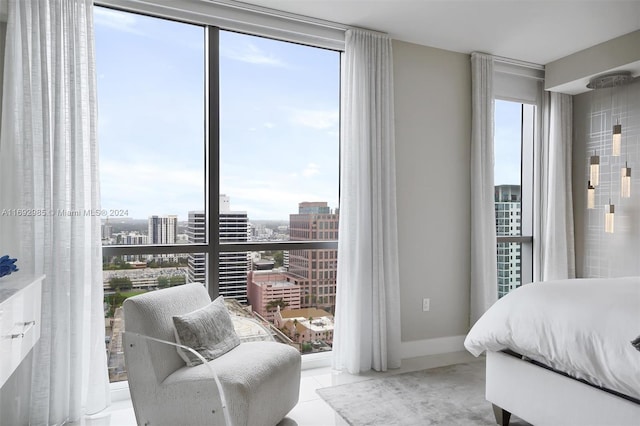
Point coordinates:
[[208, 330]]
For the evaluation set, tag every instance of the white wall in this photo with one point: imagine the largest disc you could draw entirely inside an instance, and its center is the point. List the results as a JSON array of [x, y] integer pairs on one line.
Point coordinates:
[[433, 132], [599, 254]]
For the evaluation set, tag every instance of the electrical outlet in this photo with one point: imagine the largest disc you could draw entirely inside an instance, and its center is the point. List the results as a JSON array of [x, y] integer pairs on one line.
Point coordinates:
[[425, 304]]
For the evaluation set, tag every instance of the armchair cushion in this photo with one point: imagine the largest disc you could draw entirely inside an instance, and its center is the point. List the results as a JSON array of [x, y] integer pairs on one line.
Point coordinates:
[[208, 330]]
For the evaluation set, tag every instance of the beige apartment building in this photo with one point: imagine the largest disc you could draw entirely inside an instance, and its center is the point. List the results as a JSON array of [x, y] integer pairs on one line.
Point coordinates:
[[264, 288]]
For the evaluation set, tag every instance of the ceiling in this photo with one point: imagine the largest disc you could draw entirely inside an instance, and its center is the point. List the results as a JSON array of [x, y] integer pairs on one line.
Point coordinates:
[[527, 30]]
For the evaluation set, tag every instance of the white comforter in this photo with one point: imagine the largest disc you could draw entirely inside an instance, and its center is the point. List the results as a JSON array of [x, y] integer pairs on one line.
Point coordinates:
[[583, 327]]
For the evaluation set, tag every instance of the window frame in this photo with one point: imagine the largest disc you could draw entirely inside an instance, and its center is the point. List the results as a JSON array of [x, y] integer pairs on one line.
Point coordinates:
[[528, 134], [255, 21], [523, 82]]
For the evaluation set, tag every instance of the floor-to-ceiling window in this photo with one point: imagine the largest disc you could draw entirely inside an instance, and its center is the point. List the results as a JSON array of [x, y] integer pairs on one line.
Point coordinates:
[[517, 88], [513, 177], [219, 155]]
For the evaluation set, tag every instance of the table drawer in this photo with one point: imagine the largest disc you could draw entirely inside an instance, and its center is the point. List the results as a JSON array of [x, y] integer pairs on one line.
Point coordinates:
[[20, 317]]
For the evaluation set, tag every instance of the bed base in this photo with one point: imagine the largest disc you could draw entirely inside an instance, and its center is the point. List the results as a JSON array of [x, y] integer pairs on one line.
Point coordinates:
[[543, 397]]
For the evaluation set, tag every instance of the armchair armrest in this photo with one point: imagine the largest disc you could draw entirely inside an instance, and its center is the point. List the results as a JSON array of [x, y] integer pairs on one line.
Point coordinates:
[[223, 402]]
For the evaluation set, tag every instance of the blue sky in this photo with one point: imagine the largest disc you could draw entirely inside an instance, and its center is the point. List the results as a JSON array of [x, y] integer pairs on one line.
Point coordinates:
[[279, 125], [279, 120], [507, 149]]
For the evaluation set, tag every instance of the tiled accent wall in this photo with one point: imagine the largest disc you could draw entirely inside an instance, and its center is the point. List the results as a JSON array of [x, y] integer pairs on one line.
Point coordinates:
[[617, 254]]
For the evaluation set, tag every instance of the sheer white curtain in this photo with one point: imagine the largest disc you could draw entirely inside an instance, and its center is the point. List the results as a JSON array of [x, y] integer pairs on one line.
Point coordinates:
[[484, 279], [557, 250], [49, 164], [367, 333]]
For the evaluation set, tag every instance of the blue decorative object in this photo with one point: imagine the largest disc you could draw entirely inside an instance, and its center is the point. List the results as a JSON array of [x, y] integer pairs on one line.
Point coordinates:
[[7, 265]]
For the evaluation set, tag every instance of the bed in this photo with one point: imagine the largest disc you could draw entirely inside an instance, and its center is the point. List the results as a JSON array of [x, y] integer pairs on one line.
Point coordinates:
[[563, 353]]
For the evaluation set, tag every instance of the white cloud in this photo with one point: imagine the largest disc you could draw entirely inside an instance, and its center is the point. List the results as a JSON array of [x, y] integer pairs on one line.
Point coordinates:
[[269, 125], [253, 55], [155, 175], [316, 119], [144, 189], [276, 197], [115, 20], [312, 169]]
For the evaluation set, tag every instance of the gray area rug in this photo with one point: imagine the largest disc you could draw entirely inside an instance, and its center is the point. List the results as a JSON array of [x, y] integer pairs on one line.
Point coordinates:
[[451, 395]]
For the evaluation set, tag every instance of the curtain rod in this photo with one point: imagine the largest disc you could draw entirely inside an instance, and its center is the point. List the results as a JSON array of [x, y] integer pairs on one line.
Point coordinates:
[[518, 62], [280, 14], [291, 16], [510, 61], [231, 5]]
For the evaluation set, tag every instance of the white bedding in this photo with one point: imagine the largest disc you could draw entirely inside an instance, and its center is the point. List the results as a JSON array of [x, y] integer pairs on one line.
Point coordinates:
[[583, 327]]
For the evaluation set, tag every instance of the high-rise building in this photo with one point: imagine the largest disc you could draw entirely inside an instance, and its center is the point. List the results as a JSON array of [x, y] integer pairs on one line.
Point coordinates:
[[107, 230], [508, 207], [234, 266], [225, 203], [163, 229], [196, 231], [315, 270], [316, 207]]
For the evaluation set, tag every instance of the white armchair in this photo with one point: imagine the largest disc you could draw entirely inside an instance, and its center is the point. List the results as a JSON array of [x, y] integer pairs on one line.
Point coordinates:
[[259, 381]]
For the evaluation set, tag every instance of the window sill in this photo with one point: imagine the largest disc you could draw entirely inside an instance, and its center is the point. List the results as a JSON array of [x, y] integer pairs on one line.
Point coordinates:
[[317, 360]]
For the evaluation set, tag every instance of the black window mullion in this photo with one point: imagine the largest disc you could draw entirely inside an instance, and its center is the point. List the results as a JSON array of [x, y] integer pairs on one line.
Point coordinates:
[[212, 158]]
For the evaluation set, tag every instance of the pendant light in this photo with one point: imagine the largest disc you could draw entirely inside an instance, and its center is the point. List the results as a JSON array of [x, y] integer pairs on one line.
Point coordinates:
[[594, 169], [608, 81], [617, 140], [609, 211], [591, 196], [612, 80], [625, 184]]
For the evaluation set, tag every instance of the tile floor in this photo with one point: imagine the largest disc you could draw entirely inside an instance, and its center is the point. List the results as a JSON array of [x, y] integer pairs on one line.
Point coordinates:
[[311, 409]]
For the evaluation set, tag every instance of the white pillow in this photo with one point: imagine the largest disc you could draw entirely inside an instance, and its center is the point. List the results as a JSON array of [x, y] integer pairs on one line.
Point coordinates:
[[208, 330]]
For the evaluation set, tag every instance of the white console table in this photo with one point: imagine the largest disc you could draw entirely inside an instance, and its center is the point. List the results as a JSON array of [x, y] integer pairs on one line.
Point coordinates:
[[20, 315]]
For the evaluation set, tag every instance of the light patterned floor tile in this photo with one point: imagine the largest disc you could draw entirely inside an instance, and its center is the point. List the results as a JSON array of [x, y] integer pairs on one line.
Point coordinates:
[[311, 409]]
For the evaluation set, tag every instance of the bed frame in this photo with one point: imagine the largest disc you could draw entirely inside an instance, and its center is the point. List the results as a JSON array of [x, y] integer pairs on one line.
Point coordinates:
[[542, 396]]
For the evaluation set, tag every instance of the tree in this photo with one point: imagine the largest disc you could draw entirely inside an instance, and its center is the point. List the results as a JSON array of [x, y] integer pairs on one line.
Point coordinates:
[[278, 259], [273, 304], [120, 283], [177, 280], [163, 282], [116, 263]]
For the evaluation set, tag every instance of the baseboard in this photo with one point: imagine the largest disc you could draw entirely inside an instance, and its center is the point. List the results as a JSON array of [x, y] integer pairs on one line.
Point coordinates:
[[413, 349], [440, 345]]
